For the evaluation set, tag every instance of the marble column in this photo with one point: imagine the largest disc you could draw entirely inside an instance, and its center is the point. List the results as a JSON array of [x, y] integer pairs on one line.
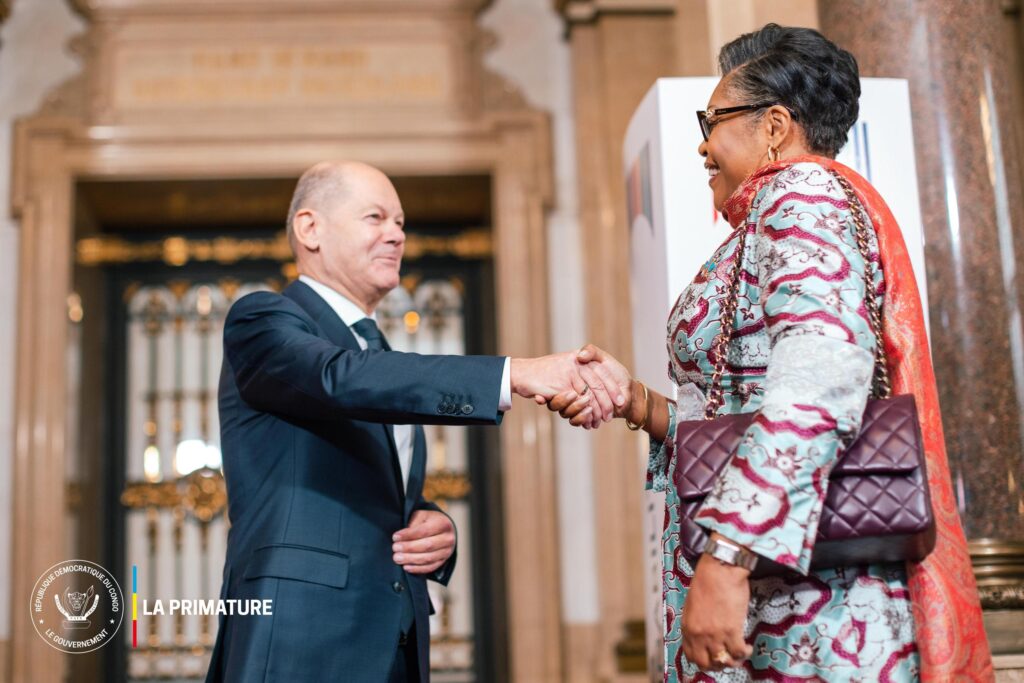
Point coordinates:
[[955, 56], [610, 76], [5, 11], [1013, 27]]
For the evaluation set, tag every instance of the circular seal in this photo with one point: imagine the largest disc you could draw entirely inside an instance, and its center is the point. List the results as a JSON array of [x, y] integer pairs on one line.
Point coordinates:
[[77, 606]]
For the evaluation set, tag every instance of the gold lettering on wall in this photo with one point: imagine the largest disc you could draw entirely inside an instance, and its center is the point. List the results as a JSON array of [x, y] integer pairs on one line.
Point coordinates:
[[152, 76]]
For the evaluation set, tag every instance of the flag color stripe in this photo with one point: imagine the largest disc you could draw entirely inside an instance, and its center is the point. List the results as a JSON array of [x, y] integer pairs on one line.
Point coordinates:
[[135, 609]]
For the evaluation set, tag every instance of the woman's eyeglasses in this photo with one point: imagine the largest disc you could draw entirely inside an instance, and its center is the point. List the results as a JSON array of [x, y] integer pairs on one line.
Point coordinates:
[[708, 118]]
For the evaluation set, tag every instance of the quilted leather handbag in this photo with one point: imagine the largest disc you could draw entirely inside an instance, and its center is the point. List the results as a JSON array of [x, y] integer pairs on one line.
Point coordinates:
[[877, 506]]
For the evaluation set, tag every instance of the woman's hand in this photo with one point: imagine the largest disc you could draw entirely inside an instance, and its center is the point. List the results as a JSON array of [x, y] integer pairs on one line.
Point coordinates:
[[714, 615], [600, 370], [545, 377], [604, 377], [575, 408]]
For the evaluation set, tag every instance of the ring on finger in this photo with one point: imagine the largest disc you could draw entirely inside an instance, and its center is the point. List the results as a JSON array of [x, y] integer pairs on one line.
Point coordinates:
[[723, 657]]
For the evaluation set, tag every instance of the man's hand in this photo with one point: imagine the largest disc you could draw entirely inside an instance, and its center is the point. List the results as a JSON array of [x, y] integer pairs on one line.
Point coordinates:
[[714, 614], [545, 377], [600, 371], [426, 544]]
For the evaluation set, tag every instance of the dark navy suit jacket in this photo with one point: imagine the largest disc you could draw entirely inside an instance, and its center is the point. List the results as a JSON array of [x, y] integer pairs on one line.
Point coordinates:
[[315, 488]]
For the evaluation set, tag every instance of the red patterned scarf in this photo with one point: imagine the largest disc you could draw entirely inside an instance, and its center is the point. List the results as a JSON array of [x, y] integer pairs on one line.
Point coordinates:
[[947, 613]]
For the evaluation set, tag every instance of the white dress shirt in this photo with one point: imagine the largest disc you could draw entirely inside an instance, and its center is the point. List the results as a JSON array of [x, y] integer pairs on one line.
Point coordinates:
[[350, 314]]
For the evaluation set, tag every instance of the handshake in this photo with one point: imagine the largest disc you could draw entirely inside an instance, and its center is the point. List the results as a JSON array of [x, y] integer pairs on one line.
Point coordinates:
[[587, 387]]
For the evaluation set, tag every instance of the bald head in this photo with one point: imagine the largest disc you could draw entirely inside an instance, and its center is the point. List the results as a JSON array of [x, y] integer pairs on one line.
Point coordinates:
[[346, 228], [323, 184]]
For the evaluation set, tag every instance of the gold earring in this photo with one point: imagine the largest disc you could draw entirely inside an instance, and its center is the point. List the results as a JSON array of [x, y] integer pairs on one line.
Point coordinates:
[[773, 154]]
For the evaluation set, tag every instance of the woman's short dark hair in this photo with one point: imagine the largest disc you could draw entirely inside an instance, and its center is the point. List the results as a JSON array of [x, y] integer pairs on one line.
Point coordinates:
[[805, 71]]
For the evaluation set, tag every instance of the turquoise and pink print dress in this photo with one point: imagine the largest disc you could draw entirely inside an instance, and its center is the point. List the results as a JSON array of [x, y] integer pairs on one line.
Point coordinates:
[[802, 358]]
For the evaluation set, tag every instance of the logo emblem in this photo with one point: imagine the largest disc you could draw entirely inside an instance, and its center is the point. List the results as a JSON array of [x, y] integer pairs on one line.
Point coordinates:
[[77, 606]]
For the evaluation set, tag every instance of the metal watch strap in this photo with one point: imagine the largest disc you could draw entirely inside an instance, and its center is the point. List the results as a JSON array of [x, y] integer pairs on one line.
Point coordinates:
[[730, 553]]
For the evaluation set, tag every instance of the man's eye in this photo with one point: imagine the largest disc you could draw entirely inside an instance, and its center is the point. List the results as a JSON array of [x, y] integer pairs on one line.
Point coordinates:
[[375, 216]]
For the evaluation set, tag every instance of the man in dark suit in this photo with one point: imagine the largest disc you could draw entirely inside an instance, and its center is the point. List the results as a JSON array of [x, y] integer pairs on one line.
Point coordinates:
[[325, 459]]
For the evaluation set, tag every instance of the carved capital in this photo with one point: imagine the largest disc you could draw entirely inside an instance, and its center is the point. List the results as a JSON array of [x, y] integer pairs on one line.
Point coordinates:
[[588, 11]]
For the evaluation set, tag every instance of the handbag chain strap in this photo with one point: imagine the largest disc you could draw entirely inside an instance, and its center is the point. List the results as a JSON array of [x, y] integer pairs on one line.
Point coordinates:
[[720, 347], [882, 386]]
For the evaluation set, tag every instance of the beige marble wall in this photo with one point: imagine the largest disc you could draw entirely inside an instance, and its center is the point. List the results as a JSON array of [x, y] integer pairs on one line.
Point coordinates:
[[730, 18], [530, 51], [610, 76], [34, 58], [704, 26]]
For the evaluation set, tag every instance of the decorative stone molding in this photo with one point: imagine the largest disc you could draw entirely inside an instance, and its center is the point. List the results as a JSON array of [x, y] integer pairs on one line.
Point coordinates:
[[178, 250], [497, 93], [587, 11], [93, 8], [5, 9], [999, 570], [378, 63], [70, 99], [500, 94]]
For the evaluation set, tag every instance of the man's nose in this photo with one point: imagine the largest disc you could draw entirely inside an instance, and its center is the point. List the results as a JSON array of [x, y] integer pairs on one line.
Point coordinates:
[[395, 234]]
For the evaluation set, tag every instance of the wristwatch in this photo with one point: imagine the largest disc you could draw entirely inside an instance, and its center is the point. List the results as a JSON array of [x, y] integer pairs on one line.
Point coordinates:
[[730, 553]]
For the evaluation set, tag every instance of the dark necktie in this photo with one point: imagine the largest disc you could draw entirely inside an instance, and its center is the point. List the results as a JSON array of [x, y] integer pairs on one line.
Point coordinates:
[[368, 330]]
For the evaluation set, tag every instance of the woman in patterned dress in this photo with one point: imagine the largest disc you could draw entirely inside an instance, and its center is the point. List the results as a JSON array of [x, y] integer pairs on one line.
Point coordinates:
[[802, 357]]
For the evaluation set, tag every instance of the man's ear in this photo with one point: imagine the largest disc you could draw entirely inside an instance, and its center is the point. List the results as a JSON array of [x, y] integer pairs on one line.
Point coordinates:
[[306, 228]]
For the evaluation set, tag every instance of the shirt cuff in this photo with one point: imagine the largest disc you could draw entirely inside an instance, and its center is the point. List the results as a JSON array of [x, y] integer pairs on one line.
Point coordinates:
[[505, 399]]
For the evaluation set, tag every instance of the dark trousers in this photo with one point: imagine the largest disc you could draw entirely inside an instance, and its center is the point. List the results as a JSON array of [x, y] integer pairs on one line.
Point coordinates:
[[406, 668]]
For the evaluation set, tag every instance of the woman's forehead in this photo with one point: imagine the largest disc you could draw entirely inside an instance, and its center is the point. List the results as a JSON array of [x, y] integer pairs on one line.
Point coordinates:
[[720, 98]]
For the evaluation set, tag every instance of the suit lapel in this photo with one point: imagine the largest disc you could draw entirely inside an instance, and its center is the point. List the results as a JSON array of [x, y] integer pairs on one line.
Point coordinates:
[[335, 329], [332, 326]]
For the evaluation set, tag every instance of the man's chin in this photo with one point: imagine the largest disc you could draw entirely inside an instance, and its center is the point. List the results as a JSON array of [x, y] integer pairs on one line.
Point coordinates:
[[388, 282]]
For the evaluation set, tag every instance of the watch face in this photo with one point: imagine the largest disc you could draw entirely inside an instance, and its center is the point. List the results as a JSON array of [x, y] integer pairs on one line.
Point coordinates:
[[721, 551], [731, 554]]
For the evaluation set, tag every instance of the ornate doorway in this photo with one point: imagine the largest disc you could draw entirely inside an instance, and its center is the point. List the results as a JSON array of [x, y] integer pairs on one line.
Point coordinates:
[[169, 293], [149, 106]]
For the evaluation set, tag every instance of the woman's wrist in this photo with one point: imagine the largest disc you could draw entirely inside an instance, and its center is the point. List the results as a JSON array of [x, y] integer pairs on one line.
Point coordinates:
[[732, 569], [658, 416], [638, 408]]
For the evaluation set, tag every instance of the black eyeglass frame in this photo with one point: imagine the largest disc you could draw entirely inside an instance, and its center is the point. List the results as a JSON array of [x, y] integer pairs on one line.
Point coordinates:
[[704, 115]]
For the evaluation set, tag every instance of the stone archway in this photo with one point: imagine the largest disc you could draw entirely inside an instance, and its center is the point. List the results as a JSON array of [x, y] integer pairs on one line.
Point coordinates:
[[247, 88]]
